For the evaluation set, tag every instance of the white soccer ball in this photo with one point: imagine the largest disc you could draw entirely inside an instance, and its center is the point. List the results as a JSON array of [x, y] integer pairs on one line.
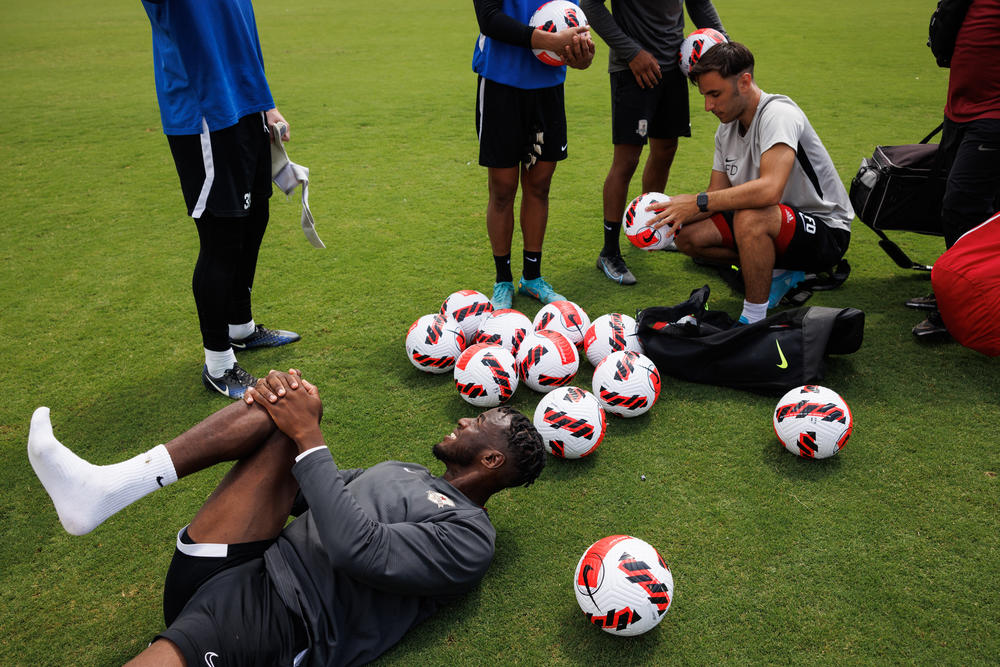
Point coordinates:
[[571, 422], [434, 342], [547, 360], [469, 308], [623, 585], [552, 17], [506, 327], [695, 45], [627, 383], [565, 317], [636, 220], [485, 375], [813, 422], [610, 333]]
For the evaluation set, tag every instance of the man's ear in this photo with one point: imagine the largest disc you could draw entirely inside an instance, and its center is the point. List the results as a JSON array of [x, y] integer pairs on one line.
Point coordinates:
[[493, 459]]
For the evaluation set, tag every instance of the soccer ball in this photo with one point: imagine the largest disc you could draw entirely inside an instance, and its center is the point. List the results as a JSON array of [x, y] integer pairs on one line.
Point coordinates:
[[627, 383], [813, 422], [565, 317], [485, 375], [507, 328], [571, 422], [695, 45], [469, 308], [610, 333], [623, 586], [434, 342], [547, 360], [635, 222], [552, 17]]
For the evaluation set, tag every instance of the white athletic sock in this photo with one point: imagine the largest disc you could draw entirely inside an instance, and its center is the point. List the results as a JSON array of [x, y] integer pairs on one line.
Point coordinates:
[[219, 362], [241, 331], [85, 494], [754, 312]]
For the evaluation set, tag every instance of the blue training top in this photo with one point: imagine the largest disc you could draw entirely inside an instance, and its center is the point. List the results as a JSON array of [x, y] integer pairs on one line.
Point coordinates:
[[207, 63], [515, 65]]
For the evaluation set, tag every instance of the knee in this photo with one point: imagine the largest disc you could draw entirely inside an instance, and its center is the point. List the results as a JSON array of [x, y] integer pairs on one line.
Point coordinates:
[[685, 243], [749, 224], [624, 164], [537, 190], [502, 195]]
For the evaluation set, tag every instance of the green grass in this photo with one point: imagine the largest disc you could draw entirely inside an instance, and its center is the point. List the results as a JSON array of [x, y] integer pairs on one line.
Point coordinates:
[[886, 554]]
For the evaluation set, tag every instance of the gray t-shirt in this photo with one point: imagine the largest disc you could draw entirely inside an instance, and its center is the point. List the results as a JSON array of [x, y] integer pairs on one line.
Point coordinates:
[[654, 25], [377, 552], [814, 187]]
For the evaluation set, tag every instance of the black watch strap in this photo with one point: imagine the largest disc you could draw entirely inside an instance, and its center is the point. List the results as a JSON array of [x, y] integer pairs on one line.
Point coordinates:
[[702, 201]]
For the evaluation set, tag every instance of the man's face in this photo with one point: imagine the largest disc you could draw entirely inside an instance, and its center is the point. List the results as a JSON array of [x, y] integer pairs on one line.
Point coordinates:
[[723, 97], [471, 436]]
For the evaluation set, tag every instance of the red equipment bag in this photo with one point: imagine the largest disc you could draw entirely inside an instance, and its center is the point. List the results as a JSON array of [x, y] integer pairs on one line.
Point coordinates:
[[966, 281]]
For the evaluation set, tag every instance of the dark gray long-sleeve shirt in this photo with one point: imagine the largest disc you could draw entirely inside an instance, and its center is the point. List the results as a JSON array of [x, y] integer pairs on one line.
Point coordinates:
[[378, 551], [654, 25]]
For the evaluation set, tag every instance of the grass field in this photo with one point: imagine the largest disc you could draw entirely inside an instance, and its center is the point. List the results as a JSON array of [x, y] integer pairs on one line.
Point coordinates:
[[885, 554]]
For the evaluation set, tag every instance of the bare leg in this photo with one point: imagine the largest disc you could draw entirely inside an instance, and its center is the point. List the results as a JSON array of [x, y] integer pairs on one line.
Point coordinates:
[[500, 209], [623, 166], [657, 169], [535, 184], [161, 653], [754, 231]]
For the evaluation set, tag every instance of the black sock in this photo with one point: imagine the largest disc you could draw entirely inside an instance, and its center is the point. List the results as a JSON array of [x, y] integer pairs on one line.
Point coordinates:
[[532, 267], [612, 230], [503, 268]]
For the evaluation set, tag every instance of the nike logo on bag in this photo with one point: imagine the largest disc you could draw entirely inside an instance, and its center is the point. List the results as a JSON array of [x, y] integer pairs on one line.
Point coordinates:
[[781, 355], [159, 480]]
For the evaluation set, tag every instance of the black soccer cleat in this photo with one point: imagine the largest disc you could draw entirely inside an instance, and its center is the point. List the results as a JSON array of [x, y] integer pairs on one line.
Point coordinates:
[[264, 337], [232, 384], [928, 302], [614, 268], [932, 328]]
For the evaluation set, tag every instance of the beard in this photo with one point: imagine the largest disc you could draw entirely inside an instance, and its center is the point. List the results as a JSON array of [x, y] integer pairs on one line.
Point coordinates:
[[445, 454]]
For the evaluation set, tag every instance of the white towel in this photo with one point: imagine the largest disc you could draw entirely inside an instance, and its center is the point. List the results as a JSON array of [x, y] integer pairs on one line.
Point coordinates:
[[287, 175]]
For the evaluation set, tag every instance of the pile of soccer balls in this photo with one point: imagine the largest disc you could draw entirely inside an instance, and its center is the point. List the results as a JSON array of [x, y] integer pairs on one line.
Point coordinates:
[[491, 352]]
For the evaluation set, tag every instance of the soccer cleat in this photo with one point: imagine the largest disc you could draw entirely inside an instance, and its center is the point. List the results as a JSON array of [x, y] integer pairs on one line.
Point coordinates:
[[928, 302], [537, 288], [264, 337], [614, 268], [233, 383], [781, 283], [503, 295], [931, 328]]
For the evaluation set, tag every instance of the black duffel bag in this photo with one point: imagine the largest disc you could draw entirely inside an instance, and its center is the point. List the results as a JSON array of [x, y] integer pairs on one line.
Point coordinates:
[[776, 354], [901, 188]]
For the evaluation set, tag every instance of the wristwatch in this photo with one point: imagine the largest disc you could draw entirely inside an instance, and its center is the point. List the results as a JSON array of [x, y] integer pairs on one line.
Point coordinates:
[[702, 202]]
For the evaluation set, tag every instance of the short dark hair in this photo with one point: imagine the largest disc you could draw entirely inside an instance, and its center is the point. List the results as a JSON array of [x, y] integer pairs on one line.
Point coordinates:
[[728, 59], [524, 444]]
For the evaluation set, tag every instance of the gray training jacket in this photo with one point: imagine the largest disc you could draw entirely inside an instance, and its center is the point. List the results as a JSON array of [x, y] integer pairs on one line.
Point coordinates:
[[654, 25], [377, 552]]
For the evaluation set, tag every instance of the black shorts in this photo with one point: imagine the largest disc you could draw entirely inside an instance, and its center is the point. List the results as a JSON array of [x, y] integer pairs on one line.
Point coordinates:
[[225, 171], [222, 609], [508, 118], [803, 244], [660, 112]]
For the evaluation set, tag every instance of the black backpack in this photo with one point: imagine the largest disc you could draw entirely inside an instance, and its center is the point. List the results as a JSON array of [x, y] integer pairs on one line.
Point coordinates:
[[778, 353]]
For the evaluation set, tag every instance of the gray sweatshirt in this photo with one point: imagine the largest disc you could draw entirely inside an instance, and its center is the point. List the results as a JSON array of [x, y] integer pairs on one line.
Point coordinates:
[[654, 25], [378, 551]]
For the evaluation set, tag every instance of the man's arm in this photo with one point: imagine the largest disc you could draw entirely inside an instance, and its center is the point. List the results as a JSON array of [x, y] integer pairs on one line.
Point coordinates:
[[605, 25], [426, 558], [703, 13], [775, 167], [416, 558]]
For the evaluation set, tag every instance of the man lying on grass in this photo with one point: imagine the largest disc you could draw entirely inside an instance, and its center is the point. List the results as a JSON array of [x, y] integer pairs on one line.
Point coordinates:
[[372, 553]]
